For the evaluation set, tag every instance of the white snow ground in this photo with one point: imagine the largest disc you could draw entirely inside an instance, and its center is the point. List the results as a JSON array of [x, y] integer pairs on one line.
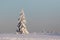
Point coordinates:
[[28, 37]]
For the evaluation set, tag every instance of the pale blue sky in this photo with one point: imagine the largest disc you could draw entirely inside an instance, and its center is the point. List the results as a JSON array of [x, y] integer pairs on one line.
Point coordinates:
[[37, 12]]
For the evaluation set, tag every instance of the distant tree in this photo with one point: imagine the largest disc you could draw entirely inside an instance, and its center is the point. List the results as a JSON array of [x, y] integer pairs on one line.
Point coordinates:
[[22, 24]]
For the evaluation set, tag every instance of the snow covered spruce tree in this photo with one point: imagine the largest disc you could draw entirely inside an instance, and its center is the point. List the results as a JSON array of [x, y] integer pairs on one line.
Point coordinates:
[[22, 24]]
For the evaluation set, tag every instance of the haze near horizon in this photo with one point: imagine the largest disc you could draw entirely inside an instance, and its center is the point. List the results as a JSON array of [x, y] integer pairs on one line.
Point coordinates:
[[41, 15]]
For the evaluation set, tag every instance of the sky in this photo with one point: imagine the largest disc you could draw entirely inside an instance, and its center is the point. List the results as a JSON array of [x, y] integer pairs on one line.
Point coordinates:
[[41, 15]]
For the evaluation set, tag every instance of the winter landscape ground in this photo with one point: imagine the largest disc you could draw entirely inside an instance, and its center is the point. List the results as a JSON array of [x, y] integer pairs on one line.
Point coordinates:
[[28, 37]]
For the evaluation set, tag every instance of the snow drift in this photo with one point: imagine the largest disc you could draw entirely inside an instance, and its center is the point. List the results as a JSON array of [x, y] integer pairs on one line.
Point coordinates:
[[28, 37]]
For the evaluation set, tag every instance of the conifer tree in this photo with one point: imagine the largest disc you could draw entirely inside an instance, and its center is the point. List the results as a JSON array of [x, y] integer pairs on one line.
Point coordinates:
[[22, 24]]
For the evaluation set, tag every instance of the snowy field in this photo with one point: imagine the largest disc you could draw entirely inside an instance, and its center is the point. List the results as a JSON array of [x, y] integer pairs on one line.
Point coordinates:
[[28, 37]]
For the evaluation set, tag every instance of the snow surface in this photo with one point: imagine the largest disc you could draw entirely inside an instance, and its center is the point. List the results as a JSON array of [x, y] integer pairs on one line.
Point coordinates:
[[28, 37]]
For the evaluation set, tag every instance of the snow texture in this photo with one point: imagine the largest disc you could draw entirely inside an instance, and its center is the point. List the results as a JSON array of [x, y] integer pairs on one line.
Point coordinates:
[[28, 37]]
